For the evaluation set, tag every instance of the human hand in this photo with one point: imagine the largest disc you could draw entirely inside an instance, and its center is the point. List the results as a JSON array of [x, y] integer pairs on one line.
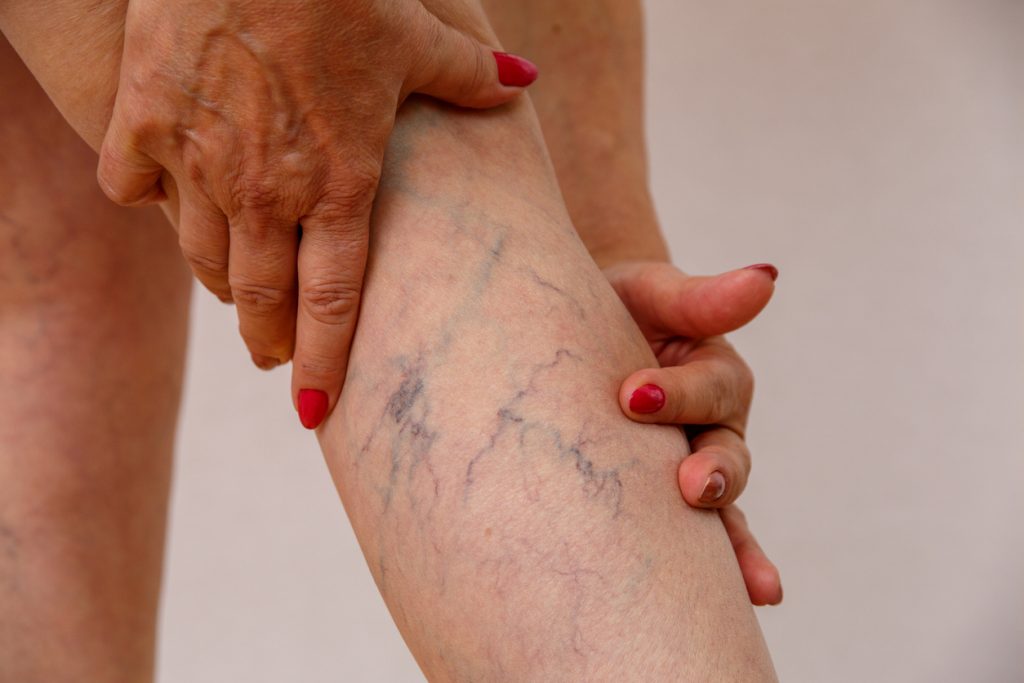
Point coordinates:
[[261, 117], [703, 384]]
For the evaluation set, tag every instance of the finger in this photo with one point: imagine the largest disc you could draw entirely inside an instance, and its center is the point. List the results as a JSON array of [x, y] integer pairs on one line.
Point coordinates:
[[332, 260], [666, 300], [205, 242], [764, 586], [127, 175], [461, 70], [716, 473], [261, 268], [713, 385]]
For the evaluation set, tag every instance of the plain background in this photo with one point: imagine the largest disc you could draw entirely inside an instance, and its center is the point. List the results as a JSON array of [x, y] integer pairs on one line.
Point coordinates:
[[874, 151]]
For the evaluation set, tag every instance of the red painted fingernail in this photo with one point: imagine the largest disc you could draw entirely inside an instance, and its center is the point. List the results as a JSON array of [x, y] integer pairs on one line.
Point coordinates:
[[766, 267], [312, 407], [514, 70], [714, 488], [650, 398]]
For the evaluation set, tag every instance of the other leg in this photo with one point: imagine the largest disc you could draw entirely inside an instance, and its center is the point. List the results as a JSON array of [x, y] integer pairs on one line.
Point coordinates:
[[93, 318]]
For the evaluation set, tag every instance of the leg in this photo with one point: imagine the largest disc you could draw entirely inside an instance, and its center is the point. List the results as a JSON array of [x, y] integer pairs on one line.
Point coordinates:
[[519, 527], [94, 305]]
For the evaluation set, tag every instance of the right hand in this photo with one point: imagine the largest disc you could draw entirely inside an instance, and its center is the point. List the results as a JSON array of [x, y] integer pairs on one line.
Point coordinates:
[[261, 117]]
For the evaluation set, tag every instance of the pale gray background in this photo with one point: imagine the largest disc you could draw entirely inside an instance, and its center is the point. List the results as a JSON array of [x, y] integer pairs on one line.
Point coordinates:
[[874, 151]]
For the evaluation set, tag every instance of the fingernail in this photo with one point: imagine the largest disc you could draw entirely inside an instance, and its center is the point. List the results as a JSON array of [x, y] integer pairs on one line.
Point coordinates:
[[514, 70], [766, 267], [650, 398], [265, 362], [714, 488], [312, 407]]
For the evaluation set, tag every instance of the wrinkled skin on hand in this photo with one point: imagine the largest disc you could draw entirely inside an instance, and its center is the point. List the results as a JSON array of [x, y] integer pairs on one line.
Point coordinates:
[[258, 118], [707, 387]]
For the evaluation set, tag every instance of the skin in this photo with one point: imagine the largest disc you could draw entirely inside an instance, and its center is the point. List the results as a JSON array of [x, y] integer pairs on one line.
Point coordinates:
[[94, 308], [708, 388], [229, 109], [590, 104], [516, 529], [69, 94], [590, 101]]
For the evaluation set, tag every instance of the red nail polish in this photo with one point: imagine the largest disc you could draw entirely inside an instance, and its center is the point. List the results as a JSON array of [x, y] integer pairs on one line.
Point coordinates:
[[312, 407], [514, 70], [714, 488], [650, 398], [766, 267]]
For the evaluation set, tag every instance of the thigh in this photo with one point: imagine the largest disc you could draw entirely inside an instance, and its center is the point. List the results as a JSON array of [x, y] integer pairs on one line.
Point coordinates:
[[93, 318], [518, 525]]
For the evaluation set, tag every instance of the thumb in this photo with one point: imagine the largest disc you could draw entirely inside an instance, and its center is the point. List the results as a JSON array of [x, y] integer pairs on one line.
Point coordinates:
[[663, 299], [126, 175], [464, 71]]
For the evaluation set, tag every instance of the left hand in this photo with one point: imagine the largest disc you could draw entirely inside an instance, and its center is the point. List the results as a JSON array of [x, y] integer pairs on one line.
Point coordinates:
[[264, 125], [703, 384]]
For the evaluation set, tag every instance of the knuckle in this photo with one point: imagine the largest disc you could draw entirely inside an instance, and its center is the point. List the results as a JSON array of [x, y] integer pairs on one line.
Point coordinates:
[[256, 228], [477, 74], [255, 191], [327, 370], [718, 398], [331, 302], [256, 298], [129, 168], [481, 74], [112, 185], [423, 47], [201, 263], [349, 197], [120, 185], [432, 40], [744, 381], [678, 401], [195, 171]]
